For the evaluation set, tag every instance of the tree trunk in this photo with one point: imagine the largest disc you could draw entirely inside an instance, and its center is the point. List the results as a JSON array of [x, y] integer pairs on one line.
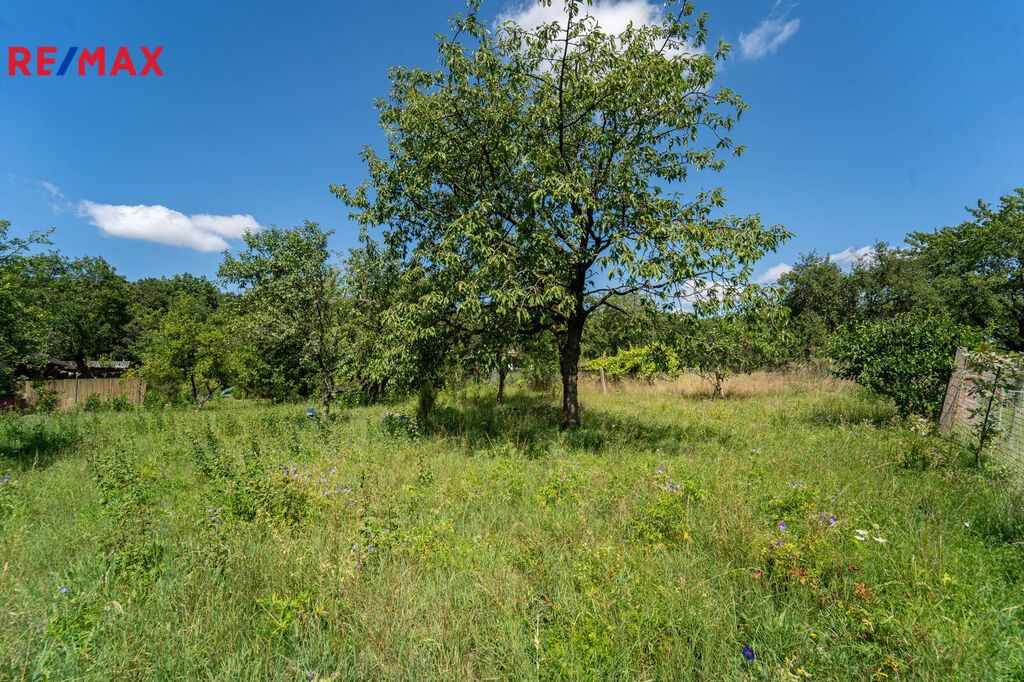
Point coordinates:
[[325, 398], [719, 390], [568, 363], [83, 366], [502, 372]]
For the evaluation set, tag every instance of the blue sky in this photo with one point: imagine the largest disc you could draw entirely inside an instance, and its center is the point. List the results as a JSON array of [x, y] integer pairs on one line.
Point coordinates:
[[869, 119]]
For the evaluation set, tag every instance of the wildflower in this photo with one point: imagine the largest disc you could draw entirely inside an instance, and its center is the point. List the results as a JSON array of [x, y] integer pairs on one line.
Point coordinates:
[[63, 590], [748, 653], [967, 524], [359, 564], [780, 543], [782, 526], [831, 520], [880, 540]]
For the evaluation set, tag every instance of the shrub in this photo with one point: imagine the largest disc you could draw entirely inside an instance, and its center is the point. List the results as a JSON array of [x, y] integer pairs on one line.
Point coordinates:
[[646, 362], [392, 424], [908, 358]]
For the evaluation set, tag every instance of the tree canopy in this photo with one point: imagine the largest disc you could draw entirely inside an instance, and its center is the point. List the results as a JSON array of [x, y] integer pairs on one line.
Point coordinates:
[[978, 266]]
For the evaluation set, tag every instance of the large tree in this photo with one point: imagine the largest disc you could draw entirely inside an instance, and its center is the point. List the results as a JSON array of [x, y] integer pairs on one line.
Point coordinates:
[[820, 298], [88, 307], [978, 266], [23, 318], [532, 175]]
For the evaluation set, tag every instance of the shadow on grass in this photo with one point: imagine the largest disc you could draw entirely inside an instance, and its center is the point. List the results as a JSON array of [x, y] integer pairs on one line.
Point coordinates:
[[533, 425], [33, 442]]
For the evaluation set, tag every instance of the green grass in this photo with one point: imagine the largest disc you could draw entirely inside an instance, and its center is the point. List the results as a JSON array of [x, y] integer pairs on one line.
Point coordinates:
[[503, 548]]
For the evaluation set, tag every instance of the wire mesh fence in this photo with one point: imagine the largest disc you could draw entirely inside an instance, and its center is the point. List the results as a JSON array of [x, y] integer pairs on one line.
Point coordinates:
[[987, 417]]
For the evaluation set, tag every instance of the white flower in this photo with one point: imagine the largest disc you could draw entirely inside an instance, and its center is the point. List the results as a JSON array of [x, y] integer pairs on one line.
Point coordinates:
[[880, 540], [861, 532], [967, 524], [862, 538]]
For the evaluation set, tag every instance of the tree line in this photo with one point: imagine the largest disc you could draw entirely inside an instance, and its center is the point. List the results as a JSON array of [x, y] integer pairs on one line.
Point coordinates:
[[299, 322]]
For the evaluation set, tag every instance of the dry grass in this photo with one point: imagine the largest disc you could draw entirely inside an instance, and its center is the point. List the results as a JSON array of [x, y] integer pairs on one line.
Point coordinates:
[[741, 386]]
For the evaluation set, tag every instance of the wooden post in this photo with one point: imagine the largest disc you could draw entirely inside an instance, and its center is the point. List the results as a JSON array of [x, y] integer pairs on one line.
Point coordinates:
[[956, 381], [604, 384], [76, 388]]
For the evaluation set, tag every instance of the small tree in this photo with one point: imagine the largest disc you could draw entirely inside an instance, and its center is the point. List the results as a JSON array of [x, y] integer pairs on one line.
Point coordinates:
[[995, 373], [532, 176], [291, 303], [194, 349], [387, 342], [719, 347]]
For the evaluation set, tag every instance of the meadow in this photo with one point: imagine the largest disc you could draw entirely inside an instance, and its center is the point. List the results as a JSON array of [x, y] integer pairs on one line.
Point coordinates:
[[793, 530]]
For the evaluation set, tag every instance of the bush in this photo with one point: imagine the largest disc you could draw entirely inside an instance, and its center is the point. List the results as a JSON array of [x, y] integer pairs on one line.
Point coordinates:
[[646, 362], [908, 358]]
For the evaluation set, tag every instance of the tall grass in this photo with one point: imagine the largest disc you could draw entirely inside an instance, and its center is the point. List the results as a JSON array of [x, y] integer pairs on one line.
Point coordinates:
[[246, 542]]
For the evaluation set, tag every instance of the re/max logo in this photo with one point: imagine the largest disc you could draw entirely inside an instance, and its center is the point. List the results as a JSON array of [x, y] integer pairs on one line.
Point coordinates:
[[19, 61]]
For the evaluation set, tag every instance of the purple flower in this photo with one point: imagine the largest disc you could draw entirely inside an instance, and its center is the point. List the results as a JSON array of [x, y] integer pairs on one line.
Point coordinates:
[[782, 526], [748, 653], [63, 590], [780, 543], [359, 564], [831, 520]]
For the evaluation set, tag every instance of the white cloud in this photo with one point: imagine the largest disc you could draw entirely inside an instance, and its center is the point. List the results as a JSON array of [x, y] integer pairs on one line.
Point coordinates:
[[53, 189], [613, 16], [166, 226], [769, 35], [851, 255], [773, 273]]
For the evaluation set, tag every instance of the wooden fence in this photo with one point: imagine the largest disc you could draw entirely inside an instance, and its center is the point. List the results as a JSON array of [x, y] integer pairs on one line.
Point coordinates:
[[70, 392]]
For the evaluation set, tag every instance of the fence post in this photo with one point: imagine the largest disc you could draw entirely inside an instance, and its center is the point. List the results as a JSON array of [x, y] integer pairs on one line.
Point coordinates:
[[952, 400], [76, 389], [604, 385]]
